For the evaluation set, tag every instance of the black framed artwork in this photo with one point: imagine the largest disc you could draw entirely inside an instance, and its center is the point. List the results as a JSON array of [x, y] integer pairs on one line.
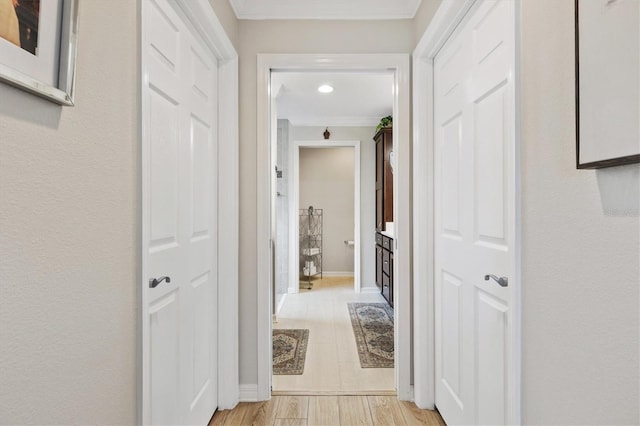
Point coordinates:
[[607, 39]]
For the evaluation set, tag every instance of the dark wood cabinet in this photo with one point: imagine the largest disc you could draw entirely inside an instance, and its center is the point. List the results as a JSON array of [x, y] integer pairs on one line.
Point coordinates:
[[384, 177], [384, 266]]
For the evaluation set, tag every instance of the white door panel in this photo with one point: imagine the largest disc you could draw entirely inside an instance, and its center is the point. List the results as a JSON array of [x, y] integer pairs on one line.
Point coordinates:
[[474, 222], [491, 359], [450, 177], [490, 169], [179, 226], [164, 345]]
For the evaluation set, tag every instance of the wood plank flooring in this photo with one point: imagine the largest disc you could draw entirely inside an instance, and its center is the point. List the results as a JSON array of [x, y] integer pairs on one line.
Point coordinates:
[[328, 410]]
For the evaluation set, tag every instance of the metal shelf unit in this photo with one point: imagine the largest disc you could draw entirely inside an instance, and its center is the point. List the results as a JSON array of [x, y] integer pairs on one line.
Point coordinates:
[[310, 233]]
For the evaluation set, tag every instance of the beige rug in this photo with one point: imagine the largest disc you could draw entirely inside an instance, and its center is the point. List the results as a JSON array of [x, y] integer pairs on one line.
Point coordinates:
[[289, 351], [373, 329]]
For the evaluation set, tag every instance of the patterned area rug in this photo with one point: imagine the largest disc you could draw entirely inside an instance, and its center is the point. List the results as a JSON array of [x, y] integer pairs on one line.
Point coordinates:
[[373, 327], [289, 351]]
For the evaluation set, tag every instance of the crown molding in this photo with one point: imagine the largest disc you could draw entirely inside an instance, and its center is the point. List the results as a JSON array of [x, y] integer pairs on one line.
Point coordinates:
[[339, 121], [327, 10]]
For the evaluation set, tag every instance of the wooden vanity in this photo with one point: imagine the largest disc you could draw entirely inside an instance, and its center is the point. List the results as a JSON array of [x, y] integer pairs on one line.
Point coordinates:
[[384, 265]]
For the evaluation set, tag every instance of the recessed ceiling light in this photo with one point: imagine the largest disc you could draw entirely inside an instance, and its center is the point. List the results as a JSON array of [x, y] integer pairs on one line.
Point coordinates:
[[325, 88]]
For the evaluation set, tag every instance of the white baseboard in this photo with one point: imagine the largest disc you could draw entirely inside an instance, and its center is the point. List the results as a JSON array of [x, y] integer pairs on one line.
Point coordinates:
[[369, 290], [249, 393], [337, 273]]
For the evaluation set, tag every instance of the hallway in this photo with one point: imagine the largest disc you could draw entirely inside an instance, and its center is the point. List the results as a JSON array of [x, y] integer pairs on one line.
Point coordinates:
[[332, 365]]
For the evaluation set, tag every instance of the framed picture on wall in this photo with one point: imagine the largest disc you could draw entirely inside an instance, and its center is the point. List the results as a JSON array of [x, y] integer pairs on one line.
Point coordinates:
[[38, 47], [607, 83]]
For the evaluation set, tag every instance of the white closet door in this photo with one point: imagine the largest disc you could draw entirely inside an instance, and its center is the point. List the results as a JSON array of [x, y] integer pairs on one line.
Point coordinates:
[[179, 220], [475, 216]]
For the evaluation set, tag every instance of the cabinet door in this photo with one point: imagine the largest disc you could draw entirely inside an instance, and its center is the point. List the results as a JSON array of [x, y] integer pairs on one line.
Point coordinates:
[[386, 262], [386, 288], [391, 278], [379, 266]]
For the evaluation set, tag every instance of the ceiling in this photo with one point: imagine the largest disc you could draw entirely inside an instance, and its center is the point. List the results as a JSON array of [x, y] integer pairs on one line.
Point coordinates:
[[358, 99], [325, 9]]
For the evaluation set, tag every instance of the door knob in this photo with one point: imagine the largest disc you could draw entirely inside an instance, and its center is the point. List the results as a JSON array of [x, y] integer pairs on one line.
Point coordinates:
[[502, 281], [155, 282]]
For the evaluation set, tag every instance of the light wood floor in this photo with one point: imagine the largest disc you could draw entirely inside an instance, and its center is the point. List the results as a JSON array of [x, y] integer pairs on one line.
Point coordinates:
[[327, 411], [332, 365]]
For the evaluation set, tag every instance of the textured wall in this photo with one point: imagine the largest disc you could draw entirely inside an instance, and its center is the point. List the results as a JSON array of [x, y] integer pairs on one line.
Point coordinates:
[[227, 18], [69, 236], [282, 213], [326, 182], [581, 239], [423, 17], [287, 37]]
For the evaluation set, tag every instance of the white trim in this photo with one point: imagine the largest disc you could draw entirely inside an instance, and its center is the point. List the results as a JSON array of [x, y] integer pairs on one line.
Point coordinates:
[[399, 63], [375, 290], [228, 237], [444, 22], [205, 23], [279, 306], [515, 403], [332, 10], [328, 16], [294, 202], [340, 121], [249, 393], [338, 274], [263, 246]]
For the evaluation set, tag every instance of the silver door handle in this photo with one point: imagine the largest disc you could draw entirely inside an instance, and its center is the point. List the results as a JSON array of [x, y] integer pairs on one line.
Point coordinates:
[[155, 282], [502, 281]]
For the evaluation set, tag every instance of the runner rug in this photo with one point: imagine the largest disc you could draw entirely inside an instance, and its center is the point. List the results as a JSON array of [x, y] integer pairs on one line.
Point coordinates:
[[289, 351], [373, 328]]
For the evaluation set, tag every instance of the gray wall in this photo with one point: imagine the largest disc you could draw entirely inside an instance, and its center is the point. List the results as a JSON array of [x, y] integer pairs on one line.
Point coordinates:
[[327, 183], [287, 37], [69, 235], [580, 254], [423, 17], [227, 18], [282, 213]]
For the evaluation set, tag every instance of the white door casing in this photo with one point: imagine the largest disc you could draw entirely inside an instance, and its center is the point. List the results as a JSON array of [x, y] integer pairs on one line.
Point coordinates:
[[180, 162], [399, 63], [475, 217]]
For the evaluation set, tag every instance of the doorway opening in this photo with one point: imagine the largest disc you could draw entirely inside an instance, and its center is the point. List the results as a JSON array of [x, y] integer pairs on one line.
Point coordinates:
[[363, 279], [326, 177], [322, 216]]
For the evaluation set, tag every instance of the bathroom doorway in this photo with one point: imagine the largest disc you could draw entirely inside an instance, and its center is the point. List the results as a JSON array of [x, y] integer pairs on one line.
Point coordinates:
[[361, 65], [325, 175]]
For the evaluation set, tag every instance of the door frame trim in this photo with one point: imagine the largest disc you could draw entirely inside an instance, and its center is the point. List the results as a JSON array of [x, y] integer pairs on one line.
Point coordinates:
[[399, 64], [203, 20], [444, 23], [294, 202]]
